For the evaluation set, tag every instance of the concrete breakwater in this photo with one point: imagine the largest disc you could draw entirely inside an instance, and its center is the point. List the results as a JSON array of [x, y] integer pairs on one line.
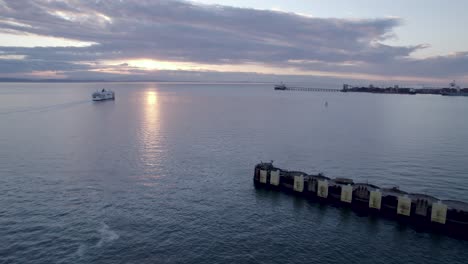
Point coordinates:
[[421, 210]]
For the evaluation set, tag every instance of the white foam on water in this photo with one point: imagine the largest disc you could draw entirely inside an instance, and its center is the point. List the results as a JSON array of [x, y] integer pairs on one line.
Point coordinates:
[[107, 235], [81, 250]]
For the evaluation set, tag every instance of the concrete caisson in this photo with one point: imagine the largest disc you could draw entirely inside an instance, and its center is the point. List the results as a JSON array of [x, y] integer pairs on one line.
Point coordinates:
[[422, 210]]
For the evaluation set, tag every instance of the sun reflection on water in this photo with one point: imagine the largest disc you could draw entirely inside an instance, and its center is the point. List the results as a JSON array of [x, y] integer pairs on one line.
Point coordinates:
[[151, 97], [151, 138]]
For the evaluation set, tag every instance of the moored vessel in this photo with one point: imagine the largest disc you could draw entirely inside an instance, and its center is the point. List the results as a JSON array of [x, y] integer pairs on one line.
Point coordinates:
[[454, 90]]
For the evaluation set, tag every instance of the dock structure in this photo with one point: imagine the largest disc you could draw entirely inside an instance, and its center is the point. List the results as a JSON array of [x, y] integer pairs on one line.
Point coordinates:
[[305, 89], [426, 212], [453, 90]]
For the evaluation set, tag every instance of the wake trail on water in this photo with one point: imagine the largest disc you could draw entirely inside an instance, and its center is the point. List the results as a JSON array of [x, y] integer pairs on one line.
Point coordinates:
[[106, 235], [45, 108]]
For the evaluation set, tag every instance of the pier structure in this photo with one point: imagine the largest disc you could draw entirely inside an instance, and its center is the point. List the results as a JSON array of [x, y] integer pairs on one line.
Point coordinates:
[[420, 210], [283, 87], [453, 90], [309, 89]]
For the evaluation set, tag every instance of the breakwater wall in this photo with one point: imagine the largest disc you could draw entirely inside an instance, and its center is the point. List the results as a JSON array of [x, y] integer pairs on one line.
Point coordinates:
[[423, 211]]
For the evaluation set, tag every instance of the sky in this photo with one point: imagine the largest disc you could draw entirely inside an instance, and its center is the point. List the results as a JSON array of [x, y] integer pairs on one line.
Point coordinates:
[[323, 41]]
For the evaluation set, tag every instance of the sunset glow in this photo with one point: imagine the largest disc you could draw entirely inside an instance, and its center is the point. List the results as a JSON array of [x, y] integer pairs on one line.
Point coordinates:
[[234, 41], [124, 67]]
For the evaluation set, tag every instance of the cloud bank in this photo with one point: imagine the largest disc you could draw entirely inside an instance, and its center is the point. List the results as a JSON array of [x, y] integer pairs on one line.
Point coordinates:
[[101, 38]]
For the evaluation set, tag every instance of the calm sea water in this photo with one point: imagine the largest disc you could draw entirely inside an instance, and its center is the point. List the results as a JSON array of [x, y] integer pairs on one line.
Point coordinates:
[[163, 174]]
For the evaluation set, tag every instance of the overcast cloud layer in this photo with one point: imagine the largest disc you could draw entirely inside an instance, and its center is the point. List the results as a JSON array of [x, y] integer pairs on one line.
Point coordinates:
[[216, 35]]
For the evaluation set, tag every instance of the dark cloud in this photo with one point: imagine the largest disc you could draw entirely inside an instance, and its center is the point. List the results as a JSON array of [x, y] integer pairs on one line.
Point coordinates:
[[184, 31], [26, 66]]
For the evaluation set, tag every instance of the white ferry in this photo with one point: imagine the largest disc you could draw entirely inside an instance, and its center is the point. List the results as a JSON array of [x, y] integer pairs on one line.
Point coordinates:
[[103, 95]]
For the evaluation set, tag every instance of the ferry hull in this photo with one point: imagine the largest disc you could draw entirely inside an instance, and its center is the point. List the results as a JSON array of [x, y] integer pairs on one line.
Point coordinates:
[[103, 99]]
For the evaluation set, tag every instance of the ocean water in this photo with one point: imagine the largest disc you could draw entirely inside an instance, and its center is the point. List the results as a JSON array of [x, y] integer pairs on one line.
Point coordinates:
[[163, 174]]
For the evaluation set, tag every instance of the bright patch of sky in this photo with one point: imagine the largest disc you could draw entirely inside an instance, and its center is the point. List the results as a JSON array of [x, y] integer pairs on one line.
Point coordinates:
[[434, 22], [333, 38], [17, 39]]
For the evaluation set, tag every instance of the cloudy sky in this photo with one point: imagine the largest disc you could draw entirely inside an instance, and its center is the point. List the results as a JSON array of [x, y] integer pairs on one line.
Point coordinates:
[[417, 42]]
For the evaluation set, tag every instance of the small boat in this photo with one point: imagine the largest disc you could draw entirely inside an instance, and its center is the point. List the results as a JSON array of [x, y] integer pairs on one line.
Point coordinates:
[[103, 95], [280, 86]]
